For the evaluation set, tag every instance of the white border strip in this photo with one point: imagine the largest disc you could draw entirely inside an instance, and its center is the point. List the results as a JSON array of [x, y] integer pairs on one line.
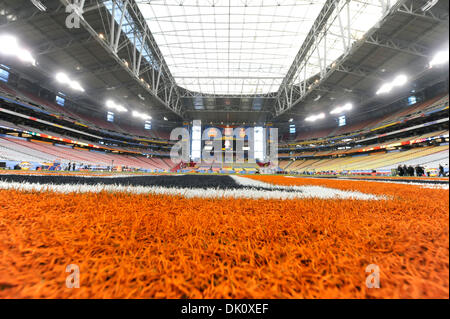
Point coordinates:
[[275, 192], [422, 185]]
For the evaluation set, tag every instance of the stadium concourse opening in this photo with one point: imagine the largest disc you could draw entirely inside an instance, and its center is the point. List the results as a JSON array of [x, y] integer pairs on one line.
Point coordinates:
[[217, 149]]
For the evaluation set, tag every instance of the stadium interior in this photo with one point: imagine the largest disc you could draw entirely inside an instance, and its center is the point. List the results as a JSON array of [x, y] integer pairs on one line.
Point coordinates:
[[357, 93]]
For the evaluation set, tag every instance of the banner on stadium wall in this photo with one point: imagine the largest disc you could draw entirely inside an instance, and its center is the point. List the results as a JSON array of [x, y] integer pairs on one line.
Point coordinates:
[[47, 123], [384, 126], [406, 129], [419, 140], [63, 118]]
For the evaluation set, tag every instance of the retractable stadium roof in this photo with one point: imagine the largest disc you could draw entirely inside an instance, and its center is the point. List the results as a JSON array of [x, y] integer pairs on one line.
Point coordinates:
[[230, 61]]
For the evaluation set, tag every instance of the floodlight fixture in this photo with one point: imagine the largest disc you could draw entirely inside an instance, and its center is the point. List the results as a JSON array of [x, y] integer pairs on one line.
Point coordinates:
[[342, 109], [9, 46], [63, 78], [113, 105], [313, 118], [439, 58], [38, 4], [141, 115], [398, 81]]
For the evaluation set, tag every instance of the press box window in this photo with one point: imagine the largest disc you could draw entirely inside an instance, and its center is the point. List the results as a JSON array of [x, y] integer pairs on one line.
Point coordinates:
[[60, 100], [110, 117], [412, 100], [292, 129], [4, 75]]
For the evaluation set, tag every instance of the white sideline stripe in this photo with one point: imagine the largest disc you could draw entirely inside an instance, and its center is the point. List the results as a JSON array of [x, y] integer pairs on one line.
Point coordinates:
[[309, 190], [422, 185], [278, 192]]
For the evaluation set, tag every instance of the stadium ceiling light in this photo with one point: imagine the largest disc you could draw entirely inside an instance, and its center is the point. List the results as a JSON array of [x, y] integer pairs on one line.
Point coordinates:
[[76, 86], [291, 120], [430, 4], [64, 79], [10, 46], [313, 118], [385, 88], [141, 115], [399, 80], [165, 118], [341, 109], [439, 58], [38, 4], [113, 105]]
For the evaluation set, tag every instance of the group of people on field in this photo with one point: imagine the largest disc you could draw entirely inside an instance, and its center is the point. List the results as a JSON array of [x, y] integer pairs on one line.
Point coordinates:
[[410, 171], [71, 167], [403, 170]]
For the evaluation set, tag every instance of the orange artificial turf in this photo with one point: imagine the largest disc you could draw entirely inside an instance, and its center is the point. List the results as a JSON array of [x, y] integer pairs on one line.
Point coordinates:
[[151, 246]]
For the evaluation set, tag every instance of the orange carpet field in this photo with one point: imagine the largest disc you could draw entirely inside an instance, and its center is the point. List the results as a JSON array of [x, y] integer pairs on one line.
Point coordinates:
[[158, 246]]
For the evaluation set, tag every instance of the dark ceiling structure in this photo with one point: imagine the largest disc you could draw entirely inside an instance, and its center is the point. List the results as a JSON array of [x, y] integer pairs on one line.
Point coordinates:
[[114, 54]]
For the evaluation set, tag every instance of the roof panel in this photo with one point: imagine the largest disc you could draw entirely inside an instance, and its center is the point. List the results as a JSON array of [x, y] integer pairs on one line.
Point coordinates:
[[230, 47]]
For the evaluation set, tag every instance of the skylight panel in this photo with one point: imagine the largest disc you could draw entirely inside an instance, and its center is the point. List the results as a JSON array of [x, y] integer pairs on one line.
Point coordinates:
[[245, 46]]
